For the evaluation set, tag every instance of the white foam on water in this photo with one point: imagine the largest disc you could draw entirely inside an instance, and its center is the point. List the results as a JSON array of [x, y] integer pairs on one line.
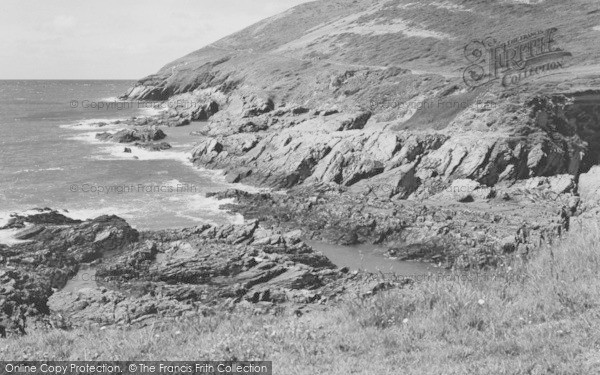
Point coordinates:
[[88, 137], [152, 111], [112, 99], [114, 151], [92, 121], [173, 182], [237, 219], [198, 203], [93, 124], [4, 218], [39, 170], [196, 219], [187, 145], [7, 237], [218, 176], [88, 127], [192, 203], [89, 213], [6, 215]]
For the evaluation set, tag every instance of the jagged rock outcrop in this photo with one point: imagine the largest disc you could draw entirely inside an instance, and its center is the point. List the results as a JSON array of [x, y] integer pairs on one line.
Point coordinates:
[[589, 187], [296, 110], [145, 134], [292, 149], [29, 272], [589, 194], [136, 278], [489, 183], [284, 93], [153, 146], [447, 229]]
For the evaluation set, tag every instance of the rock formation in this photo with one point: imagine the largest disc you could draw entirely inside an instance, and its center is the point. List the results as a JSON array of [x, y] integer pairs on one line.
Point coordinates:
[[139, 277], [358, 115], [383, 140]]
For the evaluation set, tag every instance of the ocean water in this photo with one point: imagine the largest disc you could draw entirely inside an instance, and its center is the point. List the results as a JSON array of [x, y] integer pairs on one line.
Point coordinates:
[[49, 158]]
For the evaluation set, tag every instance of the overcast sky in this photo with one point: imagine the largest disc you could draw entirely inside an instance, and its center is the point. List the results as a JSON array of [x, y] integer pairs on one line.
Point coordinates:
[[115, 39]]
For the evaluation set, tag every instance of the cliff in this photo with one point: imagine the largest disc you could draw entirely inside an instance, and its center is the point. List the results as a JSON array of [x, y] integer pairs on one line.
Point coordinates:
[[458, 132], [480, 107], [294, 56]]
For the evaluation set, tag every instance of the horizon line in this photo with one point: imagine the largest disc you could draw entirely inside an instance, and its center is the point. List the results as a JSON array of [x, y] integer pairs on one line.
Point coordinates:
[[69, 79]]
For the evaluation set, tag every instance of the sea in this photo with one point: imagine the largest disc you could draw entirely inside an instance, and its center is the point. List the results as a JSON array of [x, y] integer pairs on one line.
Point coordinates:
[[50, 158]]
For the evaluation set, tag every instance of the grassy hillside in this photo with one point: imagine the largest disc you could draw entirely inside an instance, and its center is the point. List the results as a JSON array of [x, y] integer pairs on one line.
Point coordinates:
[[293, 56], [536, 318]]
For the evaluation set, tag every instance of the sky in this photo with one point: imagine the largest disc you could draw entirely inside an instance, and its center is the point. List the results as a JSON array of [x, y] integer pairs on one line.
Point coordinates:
[[115, 39]]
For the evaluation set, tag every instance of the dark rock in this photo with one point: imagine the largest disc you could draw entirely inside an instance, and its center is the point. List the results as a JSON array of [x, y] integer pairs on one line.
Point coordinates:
[[105, 136], [229, 193], [330, 112], [349, 238], [153, 146], [182, 122], [255, 107], [26, 234], [355, 122], [436, 231], [205, 112], [147, 134], [52, 256], [125, 136], [159, 275], [233, 177], [45, 216], [300, 110]]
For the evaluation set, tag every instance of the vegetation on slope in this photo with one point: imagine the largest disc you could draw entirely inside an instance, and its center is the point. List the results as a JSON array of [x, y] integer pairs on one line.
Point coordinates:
[[335, 36], [538, 317]]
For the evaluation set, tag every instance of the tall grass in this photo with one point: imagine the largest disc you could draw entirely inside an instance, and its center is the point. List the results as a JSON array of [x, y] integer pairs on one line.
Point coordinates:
[[535, 317]]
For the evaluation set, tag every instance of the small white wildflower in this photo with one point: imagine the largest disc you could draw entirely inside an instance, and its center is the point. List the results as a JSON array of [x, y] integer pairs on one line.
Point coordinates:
[[481, 302], [178, 332], [404, 321]]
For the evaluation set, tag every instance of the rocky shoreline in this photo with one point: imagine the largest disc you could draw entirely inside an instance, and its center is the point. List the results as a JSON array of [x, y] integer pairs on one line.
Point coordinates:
[[342, 178], [494, 181], [142, 277], [353, 149], [264, 264]]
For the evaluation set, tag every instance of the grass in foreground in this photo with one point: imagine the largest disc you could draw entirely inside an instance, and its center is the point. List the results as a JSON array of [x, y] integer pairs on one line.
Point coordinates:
[[542, 317]]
